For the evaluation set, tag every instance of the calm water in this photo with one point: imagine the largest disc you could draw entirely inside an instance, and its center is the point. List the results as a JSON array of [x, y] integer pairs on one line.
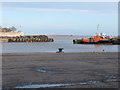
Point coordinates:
[[60, 42]]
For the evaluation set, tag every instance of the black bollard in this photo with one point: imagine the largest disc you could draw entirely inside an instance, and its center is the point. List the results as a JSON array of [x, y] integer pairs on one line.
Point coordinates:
[[60, 50]]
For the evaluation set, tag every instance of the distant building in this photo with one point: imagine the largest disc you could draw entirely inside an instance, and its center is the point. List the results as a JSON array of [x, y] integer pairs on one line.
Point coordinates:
[[10, 32], [3, 30]]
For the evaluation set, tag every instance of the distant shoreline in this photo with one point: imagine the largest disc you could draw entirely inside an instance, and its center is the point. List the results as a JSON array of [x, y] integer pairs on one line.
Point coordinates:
[[69, 35], [55, 35], [64, 35]]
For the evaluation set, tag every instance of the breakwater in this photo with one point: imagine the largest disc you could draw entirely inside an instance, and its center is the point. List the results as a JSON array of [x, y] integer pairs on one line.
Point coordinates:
[[27, 38]]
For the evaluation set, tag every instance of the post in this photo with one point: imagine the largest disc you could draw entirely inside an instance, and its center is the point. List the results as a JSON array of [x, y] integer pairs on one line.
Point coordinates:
[[60, 50]]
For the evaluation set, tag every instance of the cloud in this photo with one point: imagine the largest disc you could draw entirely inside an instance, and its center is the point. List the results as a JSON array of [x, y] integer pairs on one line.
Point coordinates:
[[60, 0], [54, 10], [61, 10]]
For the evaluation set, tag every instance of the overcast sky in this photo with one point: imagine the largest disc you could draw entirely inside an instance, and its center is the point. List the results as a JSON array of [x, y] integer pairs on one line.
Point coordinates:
[[61, 18]]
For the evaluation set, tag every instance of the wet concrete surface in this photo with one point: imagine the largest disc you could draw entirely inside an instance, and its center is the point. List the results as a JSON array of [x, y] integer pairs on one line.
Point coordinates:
[[66, 70], [56, 85]]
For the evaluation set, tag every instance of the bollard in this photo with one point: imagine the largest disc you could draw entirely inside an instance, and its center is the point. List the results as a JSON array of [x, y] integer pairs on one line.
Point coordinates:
[[60, 50]]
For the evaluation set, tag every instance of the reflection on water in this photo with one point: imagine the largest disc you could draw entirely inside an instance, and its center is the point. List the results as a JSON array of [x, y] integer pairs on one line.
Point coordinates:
[[59, 42]]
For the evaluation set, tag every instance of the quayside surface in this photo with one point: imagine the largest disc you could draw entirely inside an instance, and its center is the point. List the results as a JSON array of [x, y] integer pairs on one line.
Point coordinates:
[[21, 69]]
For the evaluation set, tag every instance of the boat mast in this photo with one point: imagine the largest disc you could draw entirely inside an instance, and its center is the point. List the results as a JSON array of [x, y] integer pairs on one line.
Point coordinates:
[[97, 29]]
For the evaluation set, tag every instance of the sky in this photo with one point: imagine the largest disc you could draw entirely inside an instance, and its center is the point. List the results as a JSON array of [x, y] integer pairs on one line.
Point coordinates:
[[61, 18]]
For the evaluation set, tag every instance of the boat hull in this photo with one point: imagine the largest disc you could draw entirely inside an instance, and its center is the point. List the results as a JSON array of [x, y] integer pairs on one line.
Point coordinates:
[[99, 42]]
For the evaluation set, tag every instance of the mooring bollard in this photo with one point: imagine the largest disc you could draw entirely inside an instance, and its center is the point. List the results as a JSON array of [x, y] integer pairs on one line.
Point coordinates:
[[60, 50]]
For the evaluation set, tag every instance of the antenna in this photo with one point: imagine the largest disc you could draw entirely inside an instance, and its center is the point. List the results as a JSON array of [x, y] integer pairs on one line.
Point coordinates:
[[20, 26], [97, 29]]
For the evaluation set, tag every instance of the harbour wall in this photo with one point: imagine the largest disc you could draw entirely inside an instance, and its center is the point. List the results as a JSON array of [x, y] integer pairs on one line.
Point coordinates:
[[27, 38]]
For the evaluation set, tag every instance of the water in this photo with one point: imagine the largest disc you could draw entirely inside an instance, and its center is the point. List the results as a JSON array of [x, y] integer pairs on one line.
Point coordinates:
[[59, 42]]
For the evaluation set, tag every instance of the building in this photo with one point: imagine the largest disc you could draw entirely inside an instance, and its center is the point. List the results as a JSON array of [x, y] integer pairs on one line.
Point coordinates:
[[10, 32]]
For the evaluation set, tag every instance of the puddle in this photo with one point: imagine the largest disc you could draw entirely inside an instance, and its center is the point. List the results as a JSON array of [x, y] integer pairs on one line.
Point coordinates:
[[44, 71], [56, 85], [112, 78], [30, 85]]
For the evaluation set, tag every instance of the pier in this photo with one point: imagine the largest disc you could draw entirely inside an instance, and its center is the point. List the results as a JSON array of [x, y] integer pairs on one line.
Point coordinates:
[[34, 38], [8, 35]]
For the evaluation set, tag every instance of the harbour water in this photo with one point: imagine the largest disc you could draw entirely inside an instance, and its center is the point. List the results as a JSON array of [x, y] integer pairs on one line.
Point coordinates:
[[59, 42]]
